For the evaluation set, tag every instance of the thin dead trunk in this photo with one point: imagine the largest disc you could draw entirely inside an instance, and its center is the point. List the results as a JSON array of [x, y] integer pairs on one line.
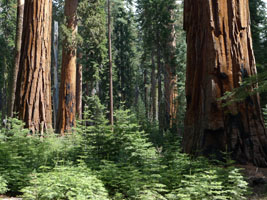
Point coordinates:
[[33, 92], [219, 57], [55, 74], [13, 85], [67, 101]]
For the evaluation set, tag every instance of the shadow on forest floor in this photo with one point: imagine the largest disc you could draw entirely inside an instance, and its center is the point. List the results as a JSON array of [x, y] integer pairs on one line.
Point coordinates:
[[257, 179]]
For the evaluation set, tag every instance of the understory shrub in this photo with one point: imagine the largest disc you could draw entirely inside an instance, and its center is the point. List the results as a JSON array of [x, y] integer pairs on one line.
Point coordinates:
[[126, 161], [21, 153], [65, 183], [3, 185], [120, 163], [211, 184]]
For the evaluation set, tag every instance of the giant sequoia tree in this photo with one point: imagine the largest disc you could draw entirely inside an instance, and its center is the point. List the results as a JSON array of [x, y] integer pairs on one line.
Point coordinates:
[[33, 92], [67, 100], [219, 57]]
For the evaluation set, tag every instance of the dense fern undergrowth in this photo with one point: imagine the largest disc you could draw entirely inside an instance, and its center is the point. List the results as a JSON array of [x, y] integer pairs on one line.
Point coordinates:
[[101, 163]]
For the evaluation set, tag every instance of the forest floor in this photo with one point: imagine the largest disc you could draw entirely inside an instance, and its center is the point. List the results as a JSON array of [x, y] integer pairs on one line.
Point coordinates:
[[257, 179]]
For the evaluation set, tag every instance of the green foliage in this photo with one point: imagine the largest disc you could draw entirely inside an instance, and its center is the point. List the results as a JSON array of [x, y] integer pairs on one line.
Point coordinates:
[[216, 183], [70, 40], [250, 86], [8, 11], [119, 162], [3, 185], [21, 154], [65, 183], [93, 51], [258, 29], [126, 162], [126, 57], [194, 179]]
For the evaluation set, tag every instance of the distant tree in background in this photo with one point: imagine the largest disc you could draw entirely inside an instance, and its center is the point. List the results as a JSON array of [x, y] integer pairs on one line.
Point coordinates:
[[8, 16], [67, 100], [259, 36], [14, 70]]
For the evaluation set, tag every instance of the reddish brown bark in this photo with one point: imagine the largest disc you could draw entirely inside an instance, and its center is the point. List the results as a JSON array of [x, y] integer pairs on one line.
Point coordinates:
[[33, 92], [67, 100], [170, 81], [219, 56]]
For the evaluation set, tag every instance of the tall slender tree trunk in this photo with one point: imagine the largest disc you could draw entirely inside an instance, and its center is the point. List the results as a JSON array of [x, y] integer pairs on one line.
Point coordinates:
[[1, 100], [160, 103], [15, 69], [55, 74], [67, 101], [153, 88], [110, 68], [4, 93], [33, 92], [146, 92], [220, 56], [170, 82]]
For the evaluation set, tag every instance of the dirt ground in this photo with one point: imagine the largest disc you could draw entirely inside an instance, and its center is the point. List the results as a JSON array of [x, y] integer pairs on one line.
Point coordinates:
[[257, 179]]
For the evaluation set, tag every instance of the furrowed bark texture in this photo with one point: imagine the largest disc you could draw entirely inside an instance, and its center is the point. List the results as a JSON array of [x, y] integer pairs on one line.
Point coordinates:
[[33, 92], [219, 56], [67, 101], [13, 85]]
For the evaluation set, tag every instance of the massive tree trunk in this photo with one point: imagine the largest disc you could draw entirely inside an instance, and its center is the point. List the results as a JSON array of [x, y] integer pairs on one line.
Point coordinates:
[[219, 56], [13, 85], [67, 101], [33, 92]]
